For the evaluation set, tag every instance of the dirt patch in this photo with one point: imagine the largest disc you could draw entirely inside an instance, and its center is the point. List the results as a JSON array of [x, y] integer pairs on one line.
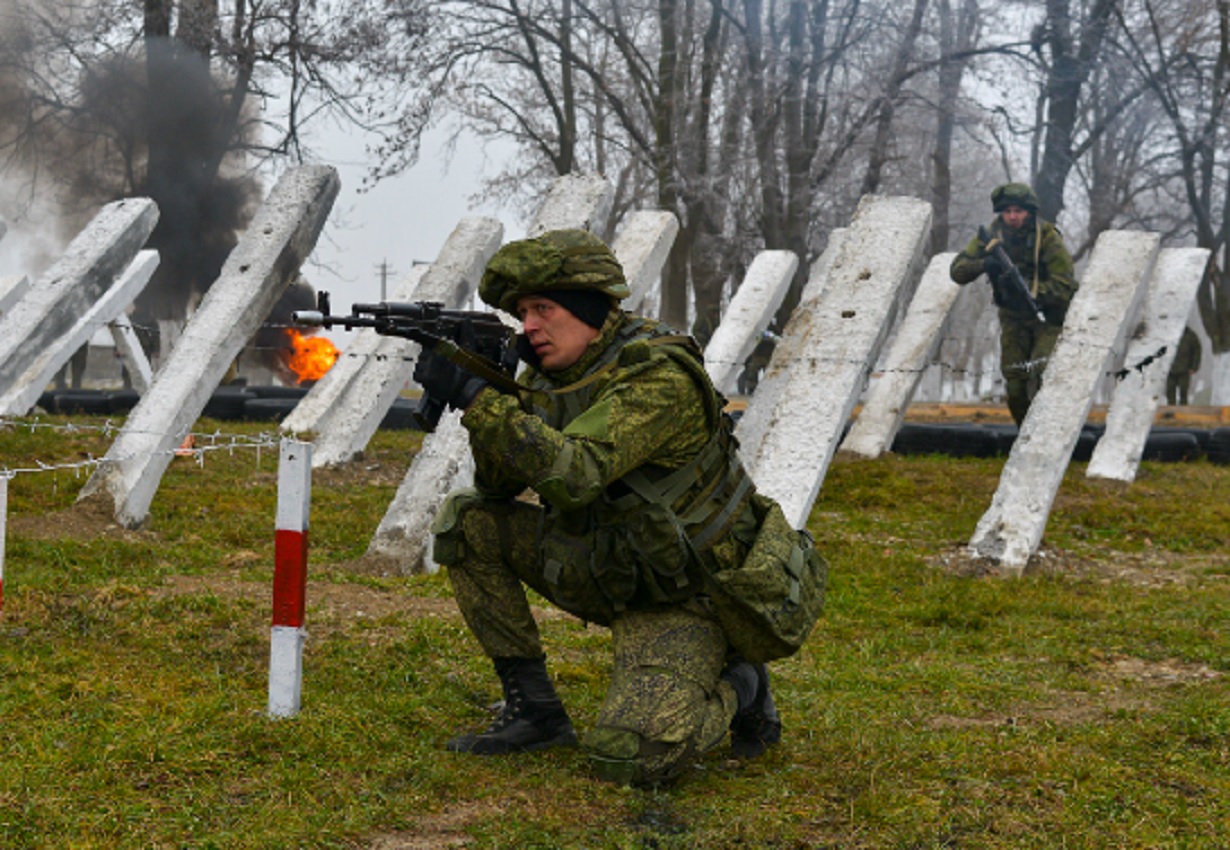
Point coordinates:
[[1151, 568], [89, 519], [446, 828], [1070, 708]]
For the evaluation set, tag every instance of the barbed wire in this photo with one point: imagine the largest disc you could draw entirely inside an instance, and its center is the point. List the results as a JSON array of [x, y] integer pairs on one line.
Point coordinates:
[[194, 444]]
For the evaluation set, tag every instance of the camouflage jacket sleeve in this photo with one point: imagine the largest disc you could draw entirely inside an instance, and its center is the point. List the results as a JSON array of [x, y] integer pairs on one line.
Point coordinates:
[[968, 264], [1057, 282], [648, 413]]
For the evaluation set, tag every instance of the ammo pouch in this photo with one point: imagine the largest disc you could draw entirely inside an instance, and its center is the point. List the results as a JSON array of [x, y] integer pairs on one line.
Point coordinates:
[[614, 558], [768, 604]]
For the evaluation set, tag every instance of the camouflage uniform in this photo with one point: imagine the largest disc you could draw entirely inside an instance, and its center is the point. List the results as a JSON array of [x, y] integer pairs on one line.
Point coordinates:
[[1186, 362], [1037, 249], [587, 440]]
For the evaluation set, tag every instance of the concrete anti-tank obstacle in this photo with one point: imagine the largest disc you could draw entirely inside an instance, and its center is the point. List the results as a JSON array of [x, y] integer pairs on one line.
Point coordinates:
[[1102, 313], [1169, 296], [914, 347], [12, 290], [66, 291], [362, 405], [111, 304], [839, 335], [643, 244], [748, 316], [259, 269], [402, 540], [773, 383], [132, 355]]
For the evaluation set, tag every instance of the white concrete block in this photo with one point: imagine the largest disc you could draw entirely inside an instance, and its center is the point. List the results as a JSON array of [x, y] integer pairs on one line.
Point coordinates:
[[912, 350], [25, 389], [443, 464], [12, 290], [790, 349], [748, 315], [1168, 300], [1101, 315], [67, 290], [838, 337], [574, 201], [131, 353], [452, 280], [644, 243], [266, 260]]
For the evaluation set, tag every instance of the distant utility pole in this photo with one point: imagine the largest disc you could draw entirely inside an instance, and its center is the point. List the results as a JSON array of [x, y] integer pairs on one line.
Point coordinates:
[[385, 271]]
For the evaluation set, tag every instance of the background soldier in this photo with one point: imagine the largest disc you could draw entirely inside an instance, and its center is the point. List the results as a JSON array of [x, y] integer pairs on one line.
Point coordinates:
[[639, 492], [1037, 250], [1186, 363]]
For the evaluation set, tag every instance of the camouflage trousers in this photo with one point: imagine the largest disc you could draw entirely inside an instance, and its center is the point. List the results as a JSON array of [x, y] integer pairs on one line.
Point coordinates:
[[665, 703], [1024, 346]]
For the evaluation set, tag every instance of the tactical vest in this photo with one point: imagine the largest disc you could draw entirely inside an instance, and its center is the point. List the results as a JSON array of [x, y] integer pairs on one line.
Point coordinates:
[[643, 537]]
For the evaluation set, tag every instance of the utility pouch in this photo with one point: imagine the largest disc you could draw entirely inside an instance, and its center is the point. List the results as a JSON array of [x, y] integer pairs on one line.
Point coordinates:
[[769, 604]]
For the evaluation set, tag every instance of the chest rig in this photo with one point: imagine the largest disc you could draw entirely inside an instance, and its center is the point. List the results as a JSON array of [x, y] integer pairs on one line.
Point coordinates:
[[668, 517]]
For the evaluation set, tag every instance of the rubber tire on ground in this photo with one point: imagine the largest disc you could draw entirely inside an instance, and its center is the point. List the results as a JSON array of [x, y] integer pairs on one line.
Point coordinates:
[[268, 409], [68, 402], [400, 417], [1218, 448], [122, 401], [227, 403], [952, 440], [1171, 448], [1085, 443], [276, 391]]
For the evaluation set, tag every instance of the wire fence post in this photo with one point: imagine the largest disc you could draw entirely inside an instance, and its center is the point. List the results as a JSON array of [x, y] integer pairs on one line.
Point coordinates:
[[4, 512], [290, 577]]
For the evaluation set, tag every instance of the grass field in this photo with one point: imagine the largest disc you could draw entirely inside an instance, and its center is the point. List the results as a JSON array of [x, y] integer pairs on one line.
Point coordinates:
[[1086, 705]]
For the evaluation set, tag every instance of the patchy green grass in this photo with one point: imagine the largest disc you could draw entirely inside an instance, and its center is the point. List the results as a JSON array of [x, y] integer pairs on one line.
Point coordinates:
[[1086, 705]]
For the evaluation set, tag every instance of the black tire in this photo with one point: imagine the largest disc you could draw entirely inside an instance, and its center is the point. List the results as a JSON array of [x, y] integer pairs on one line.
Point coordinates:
[[268, 409], [122, 401], [227, 403], [1085, 443], [1171, 448], [68, 402], [1218, 447], [275, 391], [951, 440], [400, 417]]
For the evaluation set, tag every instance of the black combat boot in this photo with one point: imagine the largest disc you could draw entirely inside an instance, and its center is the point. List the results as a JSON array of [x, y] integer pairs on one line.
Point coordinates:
[[533, 718], [755, 725]]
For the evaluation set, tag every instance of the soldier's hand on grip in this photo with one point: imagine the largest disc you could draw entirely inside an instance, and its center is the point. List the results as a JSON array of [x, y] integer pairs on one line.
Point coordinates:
[[445, 381]]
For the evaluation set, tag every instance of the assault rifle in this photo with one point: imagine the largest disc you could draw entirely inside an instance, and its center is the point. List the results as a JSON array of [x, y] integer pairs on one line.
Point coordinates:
[[1014, 292], [477, 341]]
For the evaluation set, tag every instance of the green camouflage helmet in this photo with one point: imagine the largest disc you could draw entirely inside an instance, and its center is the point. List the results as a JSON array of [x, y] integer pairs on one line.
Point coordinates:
[[1013, 195], [558, 259]]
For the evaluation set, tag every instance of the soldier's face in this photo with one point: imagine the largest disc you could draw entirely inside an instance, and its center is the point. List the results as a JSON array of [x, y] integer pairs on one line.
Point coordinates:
[[1014, 217], [558, 337]]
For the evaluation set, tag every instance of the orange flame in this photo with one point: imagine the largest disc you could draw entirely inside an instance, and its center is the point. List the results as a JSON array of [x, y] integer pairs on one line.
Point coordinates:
[[312, 357]]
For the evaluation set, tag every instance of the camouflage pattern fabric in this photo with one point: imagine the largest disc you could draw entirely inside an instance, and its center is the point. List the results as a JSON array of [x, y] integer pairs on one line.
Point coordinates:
[[665, 703], [1186, 361], [1024, 346], [558, 259], [1023, 339]]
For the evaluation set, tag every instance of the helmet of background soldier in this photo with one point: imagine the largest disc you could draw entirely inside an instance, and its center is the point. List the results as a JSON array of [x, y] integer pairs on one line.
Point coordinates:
[[1013, 195], [559, 261]]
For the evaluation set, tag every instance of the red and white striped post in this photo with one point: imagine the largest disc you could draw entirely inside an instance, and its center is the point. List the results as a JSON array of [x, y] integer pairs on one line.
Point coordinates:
[[4, 512], [290, 577]]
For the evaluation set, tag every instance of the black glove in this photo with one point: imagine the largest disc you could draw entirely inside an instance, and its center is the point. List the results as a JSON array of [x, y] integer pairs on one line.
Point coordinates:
[[993, 267], [445, 381]]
